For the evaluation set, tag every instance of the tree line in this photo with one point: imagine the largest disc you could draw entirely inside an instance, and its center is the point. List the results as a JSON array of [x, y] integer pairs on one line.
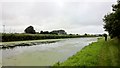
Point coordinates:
[[31, 30], [112, 21]]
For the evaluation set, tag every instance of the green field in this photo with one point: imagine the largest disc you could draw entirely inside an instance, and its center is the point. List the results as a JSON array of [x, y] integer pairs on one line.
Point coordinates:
[[22, 37], [101, 53]]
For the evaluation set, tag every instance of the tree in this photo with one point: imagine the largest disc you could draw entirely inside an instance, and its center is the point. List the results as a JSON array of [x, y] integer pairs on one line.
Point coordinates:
[[112, 21], [58, 32], [30, 30], [85, 34], [41, 32], [44, 32]]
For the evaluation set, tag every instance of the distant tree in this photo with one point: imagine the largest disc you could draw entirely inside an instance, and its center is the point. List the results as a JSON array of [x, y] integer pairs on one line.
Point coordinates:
[[37, 32], [100, 34], [112, 21], [44, 32], [70, 34], [30, 30], [85, 34], [58, 32], [77, 34], [41, 32]]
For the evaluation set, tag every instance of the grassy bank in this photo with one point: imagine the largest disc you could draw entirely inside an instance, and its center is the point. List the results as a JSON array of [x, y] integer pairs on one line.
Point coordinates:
[[100, 53], [22, 37]]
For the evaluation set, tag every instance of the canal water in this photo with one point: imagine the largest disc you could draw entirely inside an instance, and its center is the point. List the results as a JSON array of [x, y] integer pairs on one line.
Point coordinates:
[[44, 54]]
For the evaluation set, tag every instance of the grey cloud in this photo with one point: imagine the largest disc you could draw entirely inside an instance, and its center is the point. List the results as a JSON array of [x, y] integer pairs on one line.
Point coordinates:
[[74, 16], [58, 0]]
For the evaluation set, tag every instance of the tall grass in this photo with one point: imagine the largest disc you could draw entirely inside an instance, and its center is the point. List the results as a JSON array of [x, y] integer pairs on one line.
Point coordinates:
[[110, 53]]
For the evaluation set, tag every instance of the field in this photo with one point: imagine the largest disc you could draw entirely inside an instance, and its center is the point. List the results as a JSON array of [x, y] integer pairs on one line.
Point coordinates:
[[101, 53], [22, 37]]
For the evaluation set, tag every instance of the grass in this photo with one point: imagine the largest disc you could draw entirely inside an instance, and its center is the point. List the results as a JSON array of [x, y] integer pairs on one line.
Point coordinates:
[[100, 53], [110, 53]]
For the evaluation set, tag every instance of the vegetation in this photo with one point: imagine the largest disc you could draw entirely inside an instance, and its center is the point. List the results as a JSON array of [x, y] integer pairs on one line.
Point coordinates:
[[58, 32], [112, 21], [100, 53], [22, 37], [31, 34], [54, 32], [110, 53], [30, 30], [44, 32]]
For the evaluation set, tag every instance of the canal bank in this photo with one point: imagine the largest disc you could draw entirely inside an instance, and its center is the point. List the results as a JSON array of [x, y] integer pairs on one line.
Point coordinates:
[[100, 53], [7, 45]]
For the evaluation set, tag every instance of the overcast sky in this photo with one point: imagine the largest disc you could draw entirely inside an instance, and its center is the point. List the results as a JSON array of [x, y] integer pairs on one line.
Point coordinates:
[[73, 16]]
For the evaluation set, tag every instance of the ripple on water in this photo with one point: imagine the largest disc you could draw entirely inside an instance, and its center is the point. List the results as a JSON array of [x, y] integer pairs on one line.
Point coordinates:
[[44, 54]]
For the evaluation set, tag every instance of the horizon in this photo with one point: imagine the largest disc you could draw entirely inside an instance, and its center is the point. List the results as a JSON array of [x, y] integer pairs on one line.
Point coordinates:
[[73, 16]]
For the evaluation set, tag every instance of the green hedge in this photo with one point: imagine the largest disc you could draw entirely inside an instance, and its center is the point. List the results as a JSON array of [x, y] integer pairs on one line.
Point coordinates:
[[21, 37]]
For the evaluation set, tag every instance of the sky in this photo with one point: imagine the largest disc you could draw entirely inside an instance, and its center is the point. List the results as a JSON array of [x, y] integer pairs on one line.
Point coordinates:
[[73, 16]]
